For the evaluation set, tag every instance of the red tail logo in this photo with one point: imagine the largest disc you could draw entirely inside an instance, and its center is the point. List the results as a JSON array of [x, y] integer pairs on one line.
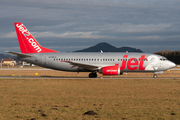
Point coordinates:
[[27, 42]]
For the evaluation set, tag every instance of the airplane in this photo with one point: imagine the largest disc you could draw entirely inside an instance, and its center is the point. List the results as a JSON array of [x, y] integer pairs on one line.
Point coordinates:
[[115, 63]]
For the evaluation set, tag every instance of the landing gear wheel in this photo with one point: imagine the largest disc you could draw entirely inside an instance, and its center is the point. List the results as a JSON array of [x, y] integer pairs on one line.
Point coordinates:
[[154, 76], [92, 75]]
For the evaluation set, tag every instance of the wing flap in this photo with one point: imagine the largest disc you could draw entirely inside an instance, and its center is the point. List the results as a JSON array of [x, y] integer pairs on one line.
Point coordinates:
[[84, 66], [92, 67]]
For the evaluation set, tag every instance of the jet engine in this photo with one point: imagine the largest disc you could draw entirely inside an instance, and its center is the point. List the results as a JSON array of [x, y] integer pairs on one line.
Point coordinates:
[[111, 70]]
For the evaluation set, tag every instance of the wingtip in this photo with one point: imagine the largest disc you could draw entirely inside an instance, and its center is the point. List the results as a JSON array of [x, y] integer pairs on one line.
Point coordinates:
[[7, 51]]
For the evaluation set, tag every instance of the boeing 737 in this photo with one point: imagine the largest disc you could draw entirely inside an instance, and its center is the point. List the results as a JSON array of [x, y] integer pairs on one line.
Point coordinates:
[[114, 63]]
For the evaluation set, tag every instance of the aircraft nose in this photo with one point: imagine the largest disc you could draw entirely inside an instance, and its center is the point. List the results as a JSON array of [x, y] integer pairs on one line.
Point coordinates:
[[171, 64]]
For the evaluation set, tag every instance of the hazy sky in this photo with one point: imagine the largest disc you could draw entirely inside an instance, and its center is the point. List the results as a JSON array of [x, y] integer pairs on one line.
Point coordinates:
[[69, 25]]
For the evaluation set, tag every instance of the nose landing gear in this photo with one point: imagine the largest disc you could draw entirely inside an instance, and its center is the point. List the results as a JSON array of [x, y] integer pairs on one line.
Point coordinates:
[[154, 76], [93, 75]]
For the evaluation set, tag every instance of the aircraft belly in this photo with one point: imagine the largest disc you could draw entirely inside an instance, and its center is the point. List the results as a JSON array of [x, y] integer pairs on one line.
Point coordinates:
[[62, 66]]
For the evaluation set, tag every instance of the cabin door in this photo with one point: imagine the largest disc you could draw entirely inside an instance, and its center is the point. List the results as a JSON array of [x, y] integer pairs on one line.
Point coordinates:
[[44, 60]]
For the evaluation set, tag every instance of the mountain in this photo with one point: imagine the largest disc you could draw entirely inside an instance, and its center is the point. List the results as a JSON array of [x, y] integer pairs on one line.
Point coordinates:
[[105, 47], [2, 56]]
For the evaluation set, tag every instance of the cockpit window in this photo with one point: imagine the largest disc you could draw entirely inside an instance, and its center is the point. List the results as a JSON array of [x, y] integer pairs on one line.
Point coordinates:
[[163, 59]]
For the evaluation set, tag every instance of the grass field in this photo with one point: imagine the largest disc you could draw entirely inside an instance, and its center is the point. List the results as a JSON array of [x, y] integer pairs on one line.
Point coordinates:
[[69, 99]]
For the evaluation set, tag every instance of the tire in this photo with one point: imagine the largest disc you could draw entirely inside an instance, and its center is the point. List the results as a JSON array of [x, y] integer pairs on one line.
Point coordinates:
[[155, 76], [92, 75], [95, 75]]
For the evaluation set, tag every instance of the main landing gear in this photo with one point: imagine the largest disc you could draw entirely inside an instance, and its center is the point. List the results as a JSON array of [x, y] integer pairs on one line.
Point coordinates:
[[93, 75]]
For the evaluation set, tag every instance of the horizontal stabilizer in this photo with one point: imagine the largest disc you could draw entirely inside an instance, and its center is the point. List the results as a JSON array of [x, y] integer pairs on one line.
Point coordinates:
[[19, 54]]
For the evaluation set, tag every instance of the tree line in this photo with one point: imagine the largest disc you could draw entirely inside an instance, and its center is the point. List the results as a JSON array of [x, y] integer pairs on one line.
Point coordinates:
[[173, 56]]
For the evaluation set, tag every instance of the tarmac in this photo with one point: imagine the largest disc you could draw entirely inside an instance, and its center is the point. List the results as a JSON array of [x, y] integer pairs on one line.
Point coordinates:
[[48, 77]]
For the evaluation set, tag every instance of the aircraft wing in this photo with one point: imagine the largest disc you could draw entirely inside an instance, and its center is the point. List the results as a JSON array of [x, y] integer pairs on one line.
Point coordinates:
[[84, 66], [19, 54]]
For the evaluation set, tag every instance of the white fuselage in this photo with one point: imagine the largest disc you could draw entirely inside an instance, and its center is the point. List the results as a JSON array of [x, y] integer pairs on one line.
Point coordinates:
[[127, 62]]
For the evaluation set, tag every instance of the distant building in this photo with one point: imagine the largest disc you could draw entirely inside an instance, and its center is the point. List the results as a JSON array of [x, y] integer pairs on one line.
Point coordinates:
[[1, 62], [8, 62], [27, 64], [20, 63]]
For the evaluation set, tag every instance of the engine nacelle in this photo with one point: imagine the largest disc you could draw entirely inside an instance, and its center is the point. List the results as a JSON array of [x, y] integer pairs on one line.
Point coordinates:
[[111, 70]]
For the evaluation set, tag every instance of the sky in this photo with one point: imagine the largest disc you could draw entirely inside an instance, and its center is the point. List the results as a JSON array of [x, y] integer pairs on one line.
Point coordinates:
[[70, 25]]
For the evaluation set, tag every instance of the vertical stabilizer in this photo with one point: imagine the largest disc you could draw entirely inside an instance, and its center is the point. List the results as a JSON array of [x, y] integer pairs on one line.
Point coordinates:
[[27, 42]]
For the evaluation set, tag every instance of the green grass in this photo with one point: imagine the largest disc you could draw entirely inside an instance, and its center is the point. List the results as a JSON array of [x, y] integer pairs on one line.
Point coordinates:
[[109, 98]]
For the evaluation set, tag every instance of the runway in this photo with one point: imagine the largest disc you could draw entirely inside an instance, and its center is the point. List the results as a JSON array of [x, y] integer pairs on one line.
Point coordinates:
[[48, 69], [54, 77], [50, 77]]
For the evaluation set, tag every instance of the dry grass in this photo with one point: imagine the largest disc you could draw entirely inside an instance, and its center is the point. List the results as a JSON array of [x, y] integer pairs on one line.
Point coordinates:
[[137, 99], [54, 99]]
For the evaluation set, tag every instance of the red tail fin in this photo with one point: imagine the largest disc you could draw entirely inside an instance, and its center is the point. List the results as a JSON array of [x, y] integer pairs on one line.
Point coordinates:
[[27, 42]]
